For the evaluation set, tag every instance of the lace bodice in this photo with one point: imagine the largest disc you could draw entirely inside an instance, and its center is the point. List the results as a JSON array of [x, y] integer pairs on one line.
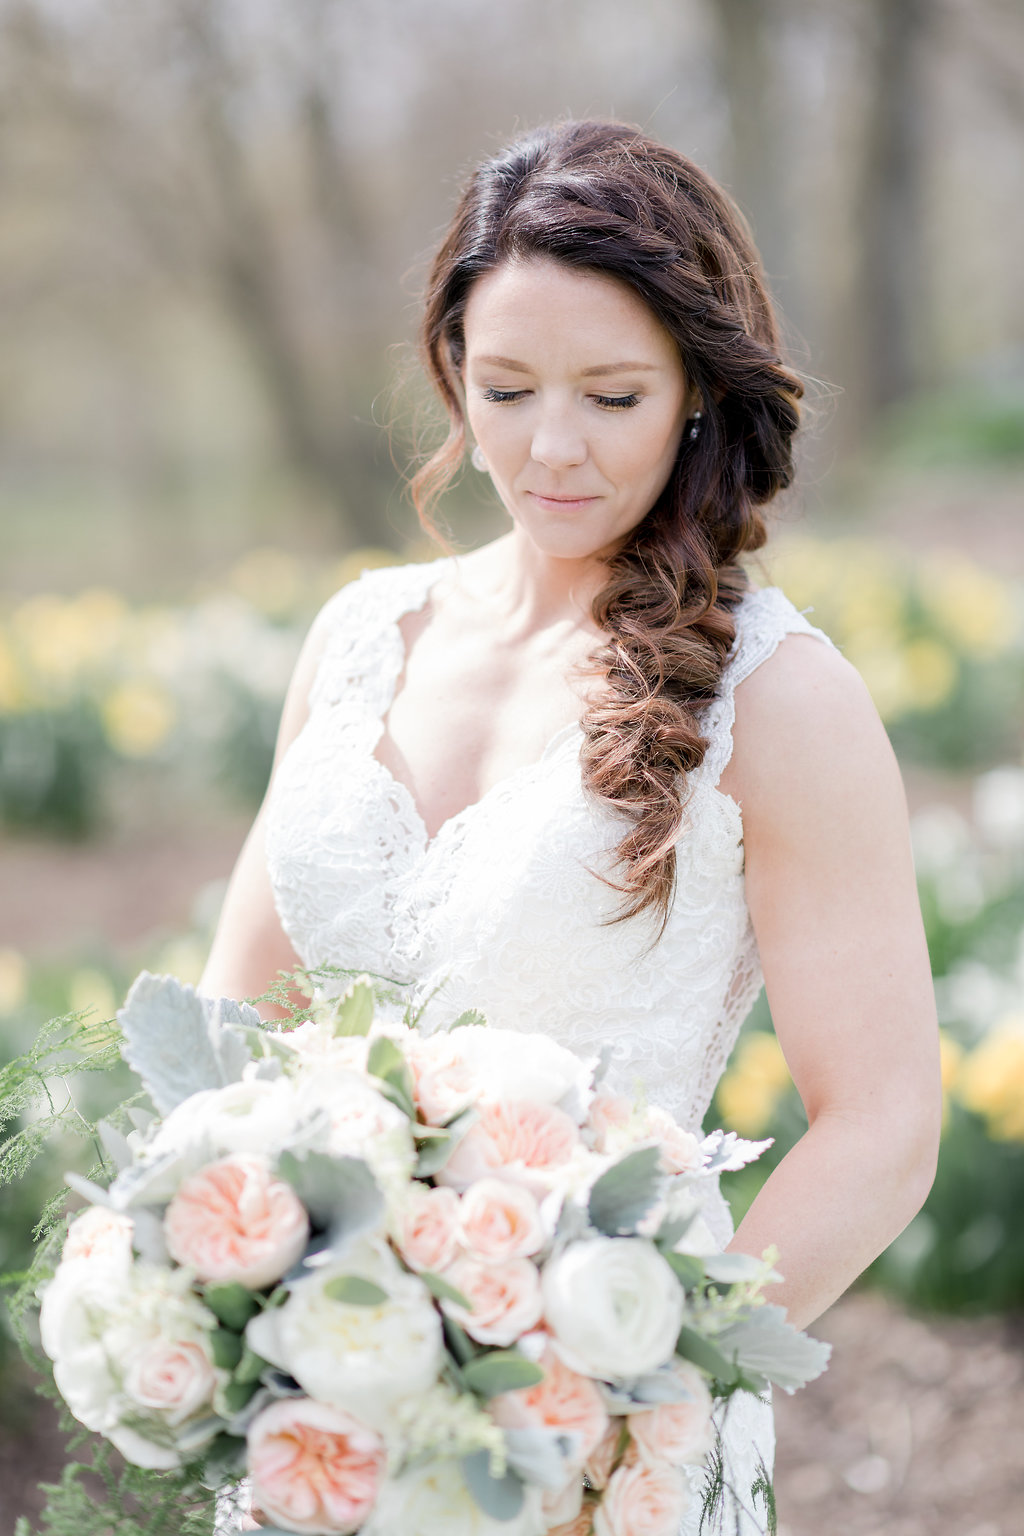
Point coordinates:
[[503, 909]]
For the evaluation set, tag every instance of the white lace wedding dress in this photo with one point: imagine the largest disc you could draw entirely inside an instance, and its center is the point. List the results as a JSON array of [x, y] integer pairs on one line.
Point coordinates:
[[501, 909]]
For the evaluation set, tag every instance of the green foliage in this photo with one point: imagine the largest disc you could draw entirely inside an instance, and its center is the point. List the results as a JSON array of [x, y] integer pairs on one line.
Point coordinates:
[[105, 1496]]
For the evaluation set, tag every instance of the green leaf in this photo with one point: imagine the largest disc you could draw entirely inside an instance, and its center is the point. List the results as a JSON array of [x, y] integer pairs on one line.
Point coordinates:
[[236, 1394], [226, 1347], [499, 1497], [352, 1014], [501, 1370], [387, 1062], [625, 1193], [251, 1366], [231, 1304], [180, 1042], [702, 1353], [355, 1291], [687, 1268], [440, 1288]]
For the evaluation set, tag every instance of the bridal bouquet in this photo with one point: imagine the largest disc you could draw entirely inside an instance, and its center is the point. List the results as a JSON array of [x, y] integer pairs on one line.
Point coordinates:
[[405, 1284]]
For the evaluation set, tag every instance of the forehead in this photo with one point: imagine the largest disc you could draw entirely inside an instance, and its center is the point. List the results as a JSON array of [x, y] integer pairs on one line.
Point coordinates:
[[543, 306]]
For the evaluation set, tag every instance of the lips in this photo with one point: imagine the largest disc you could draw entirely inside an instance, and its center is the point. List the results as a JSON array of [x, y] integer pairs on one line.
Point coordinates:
[[567, 503]]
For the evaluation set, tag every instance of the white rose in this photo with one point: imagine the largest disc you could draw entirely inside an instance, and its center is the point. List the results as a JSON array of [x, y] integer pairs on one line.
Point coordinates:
[[614, 1306], [434, 1500], [523, 1066], [76, 1307], [363, 1359], [129, 1345]]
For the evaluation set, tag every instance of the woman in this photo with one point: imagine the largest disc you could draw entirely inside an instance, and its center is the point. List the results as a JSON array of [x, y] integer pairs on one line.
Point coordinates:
[[585, 778]]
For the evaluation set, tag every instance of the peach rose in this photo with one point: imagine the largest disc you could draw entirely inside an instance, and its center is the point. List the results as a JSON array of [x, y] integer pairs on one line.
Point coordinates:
[[642, 1501], [680, 1150], [175, 1378], [504, 1298], [515, 1140], [608, 1111], [235, 1221], [314, 1469], [598, 1465], [564, 1400], [674, 1434], [98, 1233], [443, 1084], [498, 1220], [583, 1525], [426, 1227]]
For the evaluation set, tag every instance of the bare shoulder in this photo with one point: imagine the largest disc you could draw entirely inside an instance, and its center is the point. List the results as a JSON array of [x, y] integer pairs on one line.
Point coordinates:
[[807, 733]]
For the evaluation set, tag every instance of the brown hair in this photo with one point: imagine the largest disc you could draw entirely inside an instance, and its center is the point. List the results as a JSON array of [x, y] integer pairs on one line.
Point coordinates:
[[606, 198]]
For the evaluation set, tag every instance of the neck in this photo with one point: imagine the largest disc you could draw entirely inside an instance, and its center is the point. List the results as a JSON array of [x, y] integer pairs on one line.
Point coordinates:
[[536, 589]]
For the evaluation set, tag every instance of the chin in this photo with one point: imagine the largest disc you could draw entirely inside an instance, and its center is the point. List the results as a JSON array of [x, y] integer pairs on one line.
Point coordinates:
[[572, 541]]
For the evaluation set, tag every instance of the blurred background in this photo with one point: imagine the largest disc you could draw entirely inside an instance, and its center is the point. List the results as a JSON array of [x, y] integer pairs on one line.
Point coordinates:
[[215, 218]]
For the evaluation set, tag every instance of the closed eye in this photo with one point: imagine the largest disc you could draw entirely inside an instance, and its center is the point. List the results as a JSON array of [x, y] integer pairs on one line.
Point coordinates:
[[607, 402]]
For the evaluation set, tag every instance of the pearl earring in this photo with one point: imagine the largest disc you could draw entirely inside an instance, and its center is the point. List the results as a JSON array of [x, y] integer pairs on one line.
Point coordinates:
[[477, 459], [695, 429]]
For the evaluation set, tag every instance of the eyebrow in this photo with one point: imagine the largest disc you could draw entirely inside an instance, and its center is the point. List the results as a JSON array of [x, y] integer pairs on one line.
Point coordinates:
[[587, 373]]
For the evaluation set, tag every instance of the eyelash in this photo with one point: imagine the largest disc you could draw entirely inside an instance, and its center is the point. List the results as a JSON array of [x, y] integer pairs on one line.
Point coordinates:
[[607, 402]]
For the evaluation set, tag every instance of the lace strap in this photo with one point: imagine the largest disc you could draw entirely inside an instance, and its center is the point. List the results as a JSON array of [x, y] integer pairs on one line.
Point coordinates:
[[363, 653], [763, 619]]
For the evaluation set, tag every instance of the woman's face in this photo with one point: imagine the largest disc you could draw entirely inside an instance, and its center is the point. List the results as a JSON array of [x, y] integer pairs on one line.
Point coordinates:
[[577, 397]]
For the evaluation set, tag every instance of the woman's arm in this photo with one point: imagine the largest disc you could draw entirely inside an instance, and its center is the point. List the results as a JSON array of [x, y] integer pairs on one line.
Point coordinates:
[[833, 900], [250, 947]]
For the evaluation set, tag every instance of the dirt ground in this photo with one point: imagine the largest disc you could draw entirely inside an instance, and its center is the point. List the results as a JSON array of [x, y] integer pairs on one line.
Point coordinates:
[[916, 1429]]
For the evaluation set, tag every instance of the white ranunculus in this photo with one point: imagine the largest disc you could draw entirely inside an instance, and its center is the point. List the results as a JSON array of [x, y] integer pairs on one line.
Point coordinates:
[[613, 1305], [364, 1359], [255, 1115], [76, 1307], [521, 1066], [433, 1500]]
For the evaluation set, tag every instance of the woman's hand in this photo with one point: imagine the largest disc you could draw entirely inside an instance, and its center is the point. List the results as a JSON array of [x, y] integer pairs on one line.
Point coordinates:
[[833, 900]]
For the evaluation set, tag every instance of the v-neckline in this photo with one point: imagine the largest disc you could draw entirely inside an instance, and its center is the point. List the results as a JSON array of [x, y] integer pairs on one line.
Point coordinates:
[[394, 625]]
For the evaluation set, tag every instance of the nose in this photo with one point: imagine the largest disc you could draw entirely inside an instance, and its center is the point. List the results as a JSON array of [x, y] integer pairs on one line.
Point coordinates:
[[558, 440]]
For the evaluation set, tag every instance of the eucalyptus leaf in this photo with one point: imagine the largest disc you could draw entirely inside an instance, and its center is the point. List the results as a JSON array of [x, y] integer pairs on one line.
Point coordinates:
[[352, 1013], [226, 1348], [443, 1291], [355, 1291], [701, 1352], [765, 1342], [500, 1370], [499, 1497], [251, 1366], [625, 1192], [338, 1192], [386, 1062], [432, 1157], [231, 1304], [687, 1268]]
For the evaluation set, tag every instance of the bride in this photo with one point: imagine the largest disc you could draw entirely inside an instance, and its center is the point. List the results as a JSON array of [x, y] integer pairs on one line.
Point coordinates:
[[587, 778]]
